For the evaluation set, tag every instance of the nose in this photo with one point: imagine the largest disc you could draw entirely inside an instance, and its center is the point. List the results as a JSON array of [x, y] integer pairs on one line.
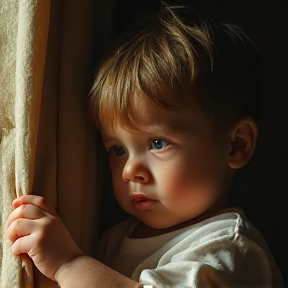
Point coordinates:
[[135, 170]]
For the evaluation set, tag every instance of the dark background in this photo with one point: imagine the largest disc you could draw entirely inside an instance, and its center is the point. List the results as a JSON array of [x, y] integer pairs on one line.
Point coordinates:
[[261, 186]]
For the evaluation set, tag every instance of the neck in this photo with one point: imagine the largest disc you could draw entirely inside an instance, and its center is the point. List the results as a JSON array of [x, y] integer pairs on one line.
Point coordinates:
[[144, 231]]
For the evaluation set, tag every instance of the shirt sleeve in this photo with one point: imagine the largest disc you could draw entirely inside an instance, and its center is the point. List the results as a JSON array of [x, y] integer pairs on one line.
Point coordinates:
[[221, 261]]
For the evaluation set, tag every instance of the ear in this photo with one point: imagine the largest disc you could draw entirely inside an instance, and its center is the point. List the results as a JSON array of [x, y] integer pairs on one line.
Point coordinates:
[[243, 138]]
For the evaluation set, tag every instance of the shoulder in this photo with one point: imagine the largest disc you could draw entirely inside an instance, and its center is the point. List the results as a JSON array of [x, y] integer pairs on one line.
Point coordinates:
[[226, 249], [229, 231], [229, 224]]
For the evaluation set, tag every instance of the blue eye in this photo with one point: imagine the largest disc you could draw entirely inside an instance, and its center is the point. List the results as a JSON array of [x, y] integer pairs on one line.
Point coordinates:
[[158, 144], [118, 151]]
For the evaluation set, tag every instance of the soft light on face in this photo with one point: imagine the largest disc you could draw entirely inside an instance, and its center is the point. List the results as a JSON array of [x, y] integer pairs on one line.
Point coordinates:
[[170, 171]]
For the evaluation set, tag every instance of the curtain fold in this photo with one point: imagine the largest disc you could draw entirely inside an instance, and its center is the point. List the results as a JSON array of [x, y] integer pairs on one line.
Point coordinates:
[[47, 143], [23, 36]]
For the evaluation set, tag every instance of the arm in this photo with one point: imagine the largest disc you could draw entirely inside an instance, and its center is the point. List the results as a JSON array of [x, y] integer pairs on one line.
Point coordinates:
[[35, 229], [88, 272]]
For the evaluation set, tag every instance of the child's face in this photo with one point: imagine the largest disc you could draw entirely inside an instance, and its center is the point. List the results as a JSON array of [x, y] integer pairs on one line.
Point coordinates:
[[172, 171]]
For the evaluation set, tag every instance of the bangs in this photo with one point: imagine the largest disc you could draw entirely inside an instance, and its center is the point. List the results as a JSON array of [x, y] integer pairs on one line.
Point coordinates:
[[159, 64], [177, 62]]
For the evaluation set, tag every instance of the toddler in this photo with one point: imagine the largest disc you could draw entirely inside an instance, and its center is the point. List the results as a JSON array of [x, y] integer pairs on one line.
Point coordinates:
[[175, 102]]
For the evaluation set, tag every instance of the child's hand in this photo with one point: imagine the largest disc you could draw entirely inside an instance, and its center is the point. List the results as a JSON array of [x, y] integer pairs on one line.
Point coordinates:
[[34, 228]]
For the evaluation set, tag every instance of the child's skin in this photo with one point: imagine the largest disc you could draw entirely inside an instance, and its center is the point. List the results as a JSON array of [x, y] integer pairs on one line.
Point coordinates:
[[174, 171], [171, 173]]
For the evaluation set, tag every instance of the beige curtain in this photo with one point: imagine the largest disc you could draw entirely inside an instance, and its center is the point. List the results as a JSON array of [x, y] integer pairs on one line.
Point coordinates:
[[47, 144], [22, 59]]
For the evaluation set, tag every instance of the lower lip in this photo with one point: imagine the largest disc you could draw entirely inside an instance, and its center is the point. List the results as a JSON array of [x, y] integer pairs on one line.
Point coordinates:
[[141, 205]]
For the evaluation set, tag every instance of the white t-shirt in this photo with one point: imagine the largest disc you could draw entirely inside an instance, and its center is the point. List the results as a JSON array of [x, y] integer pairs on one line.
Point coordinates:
[[222, 251]]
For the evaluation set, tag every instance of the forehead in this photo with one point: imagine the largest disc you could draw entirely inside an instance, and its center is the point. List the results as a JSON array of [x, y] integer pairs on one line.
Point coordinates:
[[149, 117]]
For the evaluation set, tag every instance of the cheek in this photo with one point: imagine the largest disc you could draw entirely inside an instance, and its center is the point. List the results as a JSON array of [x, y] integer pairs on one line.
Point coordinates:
[[189, 192], [191, 176], [120, 188], [116, 168]]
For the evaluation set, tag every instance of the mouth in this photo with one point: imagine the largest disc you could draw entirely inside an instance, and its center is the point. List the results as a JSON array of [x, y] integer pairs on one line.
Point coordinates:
[[141, 201]]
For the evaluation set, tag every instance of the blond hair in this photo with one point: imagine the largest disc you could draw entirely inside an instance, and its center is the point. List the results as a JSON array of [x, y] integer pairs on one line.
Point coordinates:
[[177, 60]]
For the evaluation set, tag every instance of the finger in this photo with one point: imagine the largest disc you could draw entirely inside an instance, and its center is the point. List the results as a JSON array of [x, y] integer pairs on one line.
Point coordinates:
[[38, 201], [27, 211], [22, 245], [20, 228]]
